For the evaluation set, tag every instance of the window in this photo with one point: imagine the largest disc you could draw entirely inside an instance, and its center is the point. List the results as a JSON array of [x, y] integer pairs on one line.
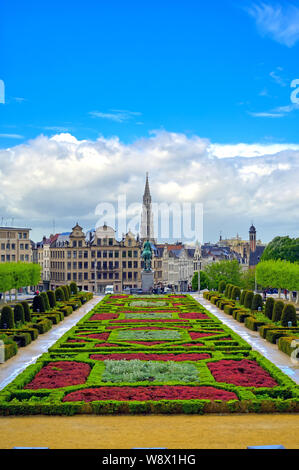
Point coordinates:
[[104, 254], [98, 254], [85, 254], [99, 242], [135, 254], [80, 254], [80, 243], [110, 241], [99, 265], [86, 265], [24, 235], [74, 276], [85, 276], [20, 235], [135, 264], [21, 246], [26, 246], [124, 264], [74, 243], [110, 275], [110, 254], [92, 264], [68, 276], [26, 257], [116, 254], [99, 275], [80, 265], [2, 246], [129, 242], [116, 264], [69, 265], [74, 265], [80, 277], [74, 254], [13, 257], [8, 246], [130, 275], [124, 254], [2, 257], [110, 264], [69, 254], [105, 265], [93, 254], [129, 264], [22, 257], [130, 254], [104, 275], [116, 276]]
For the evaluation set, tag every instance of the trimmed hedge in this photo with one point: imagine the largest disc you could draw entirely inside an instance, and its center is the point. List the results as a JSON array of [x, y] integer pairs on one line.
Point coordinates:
[[7, 317], [19, 315], [269, 305], [289, 315], [27, 311], [277, 310]]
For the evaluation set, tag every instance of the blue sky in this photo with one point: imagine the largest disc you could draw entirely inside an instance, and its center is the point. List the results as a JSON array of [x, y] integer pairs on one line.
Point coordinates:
[[197, 93], [125, 68]]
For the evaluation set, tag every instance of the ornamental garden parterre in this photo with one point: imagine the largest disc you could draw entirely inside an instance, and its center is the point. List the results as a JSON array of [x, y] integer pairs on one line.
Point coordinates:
[[155, 354]]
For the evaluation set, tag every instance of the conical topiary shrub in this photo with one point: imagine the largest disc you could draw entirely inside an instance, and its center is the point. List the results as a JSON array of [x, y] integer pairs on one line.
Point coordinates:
[[236, 293], [221, 287], [74, 288], [257, 302], [46, 300], [19, 315], [248, 299], [51, 297], [27, 311], [59, 294], [242, 298], [277, 310], [288, 315], [38, 304], [7, 317], [66, 293], [269, 305]]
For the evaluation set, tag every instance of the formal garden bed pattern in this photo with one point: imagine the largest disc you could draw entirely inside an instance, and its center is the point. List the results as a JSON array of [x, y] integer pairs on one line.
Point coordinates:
[[162, 354]]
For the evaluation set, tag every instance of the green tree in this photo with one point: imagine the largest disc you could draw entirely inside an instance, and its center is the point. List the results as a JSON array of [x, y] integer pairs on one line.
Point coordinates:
[[74, 288], [59, 294], [205, 282], [282, 248], [225, 270], [221, 286], [51, 297], [236, 293], [248, 279], [46, 300], [38, 304]]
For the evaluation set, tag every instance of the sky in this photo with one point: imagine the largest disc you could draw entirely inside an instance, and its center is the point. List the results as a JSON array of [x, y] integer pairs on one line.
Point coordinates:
[[202, 95]]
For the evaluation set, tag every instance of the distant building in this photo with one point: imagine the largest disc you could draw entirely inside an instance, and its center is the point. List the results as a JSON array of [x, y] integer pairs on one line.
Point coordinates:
[[15, 245]]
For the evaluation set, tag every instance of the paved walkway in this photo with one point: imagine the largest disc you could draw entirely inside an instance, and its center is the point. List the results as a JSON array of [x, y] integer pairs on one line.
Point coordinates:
[[29, 354], [268, 350]]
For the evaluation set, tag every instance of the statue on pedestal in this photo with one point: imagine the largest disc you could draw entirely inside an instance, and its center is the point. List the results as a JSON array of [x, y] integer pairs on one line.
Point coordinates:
[[147, 256]]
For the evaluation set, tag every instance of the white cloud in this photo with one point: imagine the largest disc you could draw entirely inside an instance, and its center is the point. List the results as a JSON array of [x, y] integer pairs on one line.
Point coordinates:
[[12, 136], [117, 115], [67, 178], [279, 22]]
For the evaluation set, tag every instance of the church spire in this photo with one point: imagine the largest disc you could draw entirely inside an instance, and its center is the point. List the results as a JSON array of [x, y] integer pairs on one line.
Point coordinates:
[[147, 228]]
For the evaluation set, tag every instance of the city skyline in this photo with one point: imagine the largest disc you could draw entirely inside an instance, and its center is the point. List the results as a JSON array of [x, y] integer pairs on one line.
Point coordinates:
[[202, 96]]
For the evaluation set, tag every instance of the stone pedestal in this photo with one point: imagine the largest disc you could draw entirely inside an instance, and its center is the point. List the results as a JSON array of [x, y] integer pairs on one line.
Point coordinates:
[[147, 279]]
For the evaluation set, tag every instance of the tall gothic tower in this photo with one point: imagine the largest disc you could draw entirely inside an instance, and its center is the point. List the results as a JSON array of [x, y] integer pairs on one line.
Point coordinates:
[[252, 238], [147, 222]]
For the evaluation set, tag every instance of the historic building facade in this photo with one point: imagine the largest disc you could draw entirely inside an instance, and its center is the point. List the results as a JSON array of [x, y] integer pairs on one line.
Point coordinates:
[[95, 260], [15, 245]]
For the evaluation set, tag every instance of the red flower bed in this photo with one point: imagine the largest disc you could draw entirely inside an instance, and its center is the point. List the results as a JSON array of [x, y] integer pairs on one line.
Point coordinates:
[[149, 310], [198, 315], [191, 344], [60, 374], [108, 345], [245, 372], [119, 296], [104, 316], [102, 336], [151, 357], [150, 393], [198, 334]]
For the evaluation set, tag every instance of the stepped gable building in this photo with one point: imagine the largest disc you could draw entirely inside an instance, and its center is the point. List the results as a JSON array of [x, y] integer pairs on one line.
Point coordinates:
[[95, 259]]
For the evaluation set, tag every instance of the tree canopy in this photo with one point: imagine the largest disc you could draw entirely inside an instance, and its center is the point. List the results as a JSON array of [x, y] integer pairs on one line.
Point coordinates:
[[278, 274], [229, 271], [16, 275], [284, 248]]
